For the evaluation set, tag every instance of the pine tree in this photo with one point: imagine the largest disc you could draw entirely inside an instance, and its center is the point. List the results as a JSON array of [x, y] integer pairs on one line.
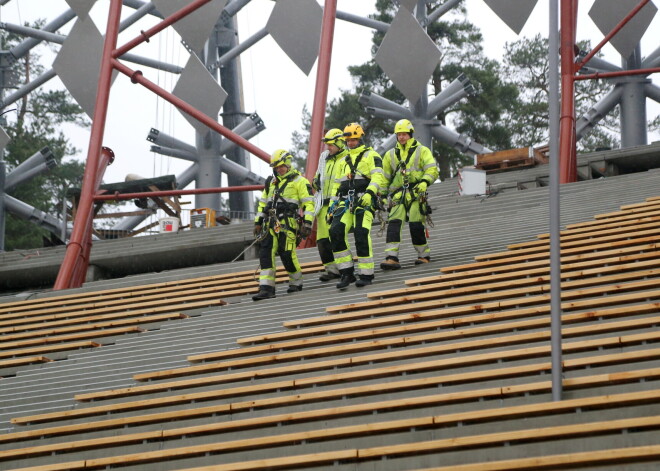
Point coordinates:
[[35, 124]]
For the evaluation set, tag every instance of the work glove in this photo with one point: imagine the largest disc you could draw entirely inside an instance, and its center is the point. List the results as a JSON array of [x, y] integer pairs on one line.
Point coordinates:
[[421, 187], [366, 200], [316, 183], [257, 230], [306, 229]]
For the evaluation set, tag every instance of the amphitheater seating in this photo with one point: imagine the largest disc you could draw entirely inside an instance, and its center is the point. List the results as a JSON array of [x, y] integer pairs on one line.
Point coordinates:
[[435, 369], [42, 330]]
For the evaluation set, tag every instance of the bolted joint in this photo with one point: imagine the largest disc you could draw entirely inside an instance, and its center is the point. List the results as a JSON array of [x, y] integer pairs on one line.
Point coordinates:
[[135, 77]]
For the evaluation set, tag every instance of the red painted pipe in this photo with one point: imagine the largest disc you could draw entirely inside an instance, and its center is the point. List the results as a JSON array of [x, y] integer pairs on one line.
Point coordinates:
[[80, 270], [618, 73], [567, 139], [320, 98], [137, 77], [84, 214], [198, 191], [145, 35], [321, 90]]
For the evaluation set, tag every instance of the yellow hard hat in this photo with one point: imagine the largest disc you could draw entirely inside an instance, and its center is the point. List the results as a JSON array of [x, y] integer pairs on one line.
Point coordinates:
[[403, 125], [280, 157], [353, 131], [336, 137]]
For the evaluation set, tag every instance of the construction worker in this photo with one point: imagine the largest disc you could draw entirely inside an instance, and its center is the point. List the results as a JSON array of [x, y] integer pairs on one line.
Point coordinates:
[[285, 193], [323, 183], [359, 179], [409, 169]]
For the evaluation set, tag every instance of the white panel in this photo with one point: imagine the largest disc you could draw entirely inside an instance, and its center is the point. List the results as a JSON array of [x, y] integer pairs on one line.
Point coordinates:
[[606, 14], [81, 7], [514, 13], [295, 25], [408, 4], [197, 87], [78, 63], [407, 55], [195, 28]]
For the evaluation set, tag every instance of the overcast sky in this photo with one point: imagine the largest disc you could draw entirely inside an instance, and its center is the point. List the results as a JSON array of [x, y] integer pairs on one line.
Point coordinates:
[[273, 86]]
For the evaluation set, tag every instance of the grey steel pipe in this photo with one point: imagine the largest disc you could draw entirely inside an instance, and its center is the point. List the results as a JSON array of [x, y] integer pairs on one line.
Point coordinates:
[[162, 139], [597, 112], [178, 153], [555, 220], [23, 48], [458, 141], [376, 101], [14, 180]]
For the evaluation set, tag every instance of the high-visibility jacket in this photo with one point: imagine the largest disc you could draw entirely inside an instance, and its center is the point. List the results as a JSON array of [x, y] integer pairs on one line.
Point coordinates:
[[414, 161], [286, 194], [360, 170]]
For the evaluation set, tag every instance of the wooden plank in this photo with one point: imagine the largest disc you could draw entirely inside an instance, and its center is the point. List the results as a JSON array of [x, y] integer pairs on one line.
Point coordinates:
[[322, 395], [69, 337], [58, 347], [433, 365], [435, 446], [487, 291], [511, 437], [98, 325], [575, 260], [575, 241], [603, 227], [568, 460], [621, 218], [589, 266], [637, 210], [566, 254], [525, 277], [24, 361], [135, 290], [610, 401], [162, 308], [462, 303]]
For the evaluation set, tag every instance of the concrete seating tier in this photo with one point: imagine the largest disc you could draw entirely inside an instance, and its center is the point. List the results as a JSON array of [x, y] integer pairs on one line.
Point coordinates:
[[447, 369]]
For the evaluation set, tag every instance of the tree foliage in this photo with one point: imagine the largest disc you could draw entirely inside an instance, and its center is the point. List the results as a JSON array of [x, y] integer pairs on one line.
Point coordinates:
[[34, 124], [480, 117], [526, 66]]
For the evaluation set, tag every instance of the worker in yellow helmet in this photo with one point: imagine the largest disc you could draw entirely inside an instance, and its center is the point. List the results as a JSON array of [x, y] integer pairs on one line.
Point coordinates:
[[285, 194], [322, 183], [409, 169], [359, 180]]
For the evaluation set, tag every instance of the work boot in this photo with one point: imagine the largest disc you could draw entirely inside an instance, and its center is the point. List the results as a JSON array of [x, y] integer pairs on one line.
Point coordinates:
[[328, 276], [390, 263], [346, 279], [265, 292], [422, 260], [294, 288], [364, 280]]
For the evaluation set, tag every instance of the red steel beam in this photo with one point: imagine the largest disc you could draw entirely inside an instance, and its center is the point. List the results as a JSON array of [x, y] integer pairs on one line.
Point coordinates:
[[80, 270], [567, 139], [618, 73], [170, 20], [321, 89], [198, 191], [84, 214], [137, 77]]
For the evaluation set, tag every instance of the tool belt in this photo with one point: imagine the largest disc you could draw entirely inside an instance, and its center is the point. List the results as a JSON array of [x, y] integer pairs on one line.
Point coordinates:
[[358, 187]]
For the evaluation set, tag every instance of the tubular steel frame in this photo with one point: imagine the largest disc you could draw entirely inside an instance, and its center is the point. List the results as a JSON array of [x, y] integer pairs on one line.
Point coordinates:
[[76, 258], [569, 70]]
